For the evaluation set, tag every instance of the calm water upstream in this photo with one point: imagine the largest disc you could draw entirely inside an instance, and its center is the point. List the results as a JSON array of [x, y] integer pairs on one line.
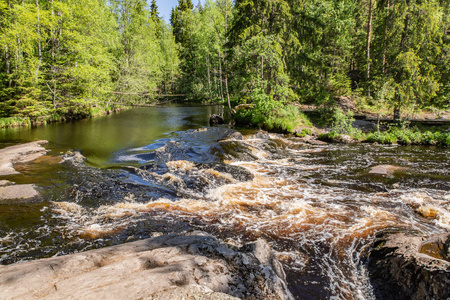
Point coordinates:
[[159, 170]]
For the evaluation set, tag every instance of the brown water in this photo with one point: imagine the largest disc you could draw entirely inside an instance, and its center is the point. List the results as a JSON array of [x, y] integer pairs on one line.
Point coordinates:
[[318, 206]]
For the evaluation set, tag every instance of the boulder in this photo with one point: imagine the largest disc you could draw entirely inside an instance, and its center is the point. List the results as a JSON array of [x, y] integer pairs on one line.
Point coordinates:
[[404, 265], [74, 157], [19, 154], [312, 140], [215, 120], [385, 170], [5, 182], [194, 266], [19, 193], [365, 126], [261, 134]]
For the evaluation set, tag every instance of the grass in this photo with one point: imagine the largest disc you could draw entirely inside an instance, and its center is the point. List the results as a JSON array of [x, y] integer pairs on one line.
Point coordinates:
[[407, 136], [396, 135], [14, 122]]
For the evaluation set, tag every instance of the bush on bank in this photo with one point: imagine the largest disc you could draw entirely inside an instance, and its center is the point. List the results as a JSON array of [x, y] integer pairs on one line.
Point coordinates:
[[270, 114], [397, 134], [35, 114]]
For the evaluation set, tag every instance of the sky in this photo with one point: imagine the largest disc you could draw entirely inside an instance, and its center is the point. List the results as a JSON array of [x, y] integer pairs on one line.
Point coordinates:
[[165, 7]]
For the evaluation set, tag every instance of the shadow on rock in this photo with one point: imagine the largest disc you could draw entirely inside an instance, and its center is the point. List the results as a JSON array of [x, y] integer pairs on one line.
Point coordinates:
[[169, 266]]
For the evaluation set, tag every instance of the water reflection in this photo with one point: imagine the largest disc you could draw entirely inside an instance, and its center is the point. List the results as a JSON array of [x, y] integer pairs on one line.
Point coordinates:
[[100, 138]]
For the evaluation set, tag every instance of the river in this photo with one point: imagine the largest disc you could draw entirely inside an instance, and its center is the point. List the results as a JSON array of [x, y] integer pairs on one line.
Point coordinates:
[[152, 171]]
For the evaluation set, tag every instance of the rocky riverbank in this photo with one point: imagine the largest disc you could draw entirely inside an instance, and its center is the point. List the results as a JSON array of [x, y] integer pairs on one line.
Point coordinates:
[[193, 266], [404, 265], [19, 154]]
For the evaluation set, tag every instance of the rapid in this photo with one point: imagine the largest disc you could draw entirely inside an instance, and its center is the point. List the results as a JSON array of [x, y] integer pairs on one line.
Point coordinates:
[[317, 205]]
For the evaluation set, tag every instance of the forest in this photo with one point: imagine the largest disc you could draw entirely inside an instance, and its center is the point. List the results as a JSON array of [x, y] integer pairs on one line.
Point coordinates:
[[74, 59]]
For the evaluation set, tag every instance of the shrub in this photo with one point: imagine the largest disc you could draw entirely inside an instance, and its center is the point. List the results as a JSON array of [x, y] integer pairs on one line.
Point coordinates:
[[270, 114]]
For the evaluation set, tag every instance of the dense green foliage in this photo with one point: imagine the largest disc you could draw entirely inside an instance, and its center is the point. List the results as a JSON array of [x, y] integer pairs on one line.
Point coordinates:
[[388, 55], [64, 58], [67, 59], [403, 134]]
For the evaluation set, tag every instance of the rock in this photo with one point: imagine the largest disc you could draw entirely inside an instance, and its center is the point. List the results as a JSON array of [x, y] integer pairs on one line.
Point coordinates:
[[263, 135], [344, 139], [236, 136], [195, 266], [403, 266], [385, 170], [49, 160], [194, 291], [312, 140], [365, 126], [19, 192], [345, 103], [19, 154], [216, 119], [5, 182], [75, 157]]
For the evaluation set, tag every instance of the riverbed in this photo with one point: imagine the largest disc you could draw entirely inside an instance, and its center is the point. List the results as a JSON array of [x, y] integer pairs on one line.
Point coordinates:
[[153, 171]]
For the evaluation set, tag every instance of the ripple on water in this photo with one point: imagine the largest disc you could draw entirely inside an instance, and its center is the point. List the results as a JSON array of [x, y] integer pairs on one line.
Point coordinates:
[[316, 205]]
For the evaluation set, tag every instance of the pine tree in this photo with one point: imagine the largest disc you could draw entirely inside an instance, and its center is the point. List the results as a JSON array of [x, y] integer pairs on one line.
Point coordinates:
[[154, 12]]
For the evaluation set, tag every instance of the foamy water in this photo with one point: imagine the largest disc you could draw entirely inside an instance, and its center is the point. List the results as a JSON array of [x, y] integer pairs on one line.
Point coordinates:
[[317, 205]]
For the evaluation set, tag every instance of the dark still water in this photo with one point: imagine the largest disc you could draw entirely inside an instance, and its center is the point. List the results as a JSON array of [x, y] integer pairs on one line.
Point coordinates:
[[164, 170]]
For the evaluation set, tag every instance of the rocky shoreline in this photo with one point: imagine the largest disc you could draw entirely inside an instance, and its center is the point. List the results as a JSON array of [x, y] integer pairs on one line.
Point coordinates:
[[19, 154], [191, 266], [405, 265], [196, 265]]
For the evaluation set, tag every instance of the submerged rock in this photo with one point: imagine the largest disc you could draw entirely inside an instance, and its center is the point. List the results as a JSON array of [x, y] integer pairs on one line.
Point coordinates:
[[166, 267], [404, 266], [385, 170]]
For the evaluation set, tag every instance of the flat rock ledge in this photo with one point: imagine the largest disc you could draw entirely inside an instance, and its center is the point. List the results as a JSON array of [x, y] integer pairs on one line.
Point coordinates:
[[19, 154], [194, 266], [404, 265], [19, 193]]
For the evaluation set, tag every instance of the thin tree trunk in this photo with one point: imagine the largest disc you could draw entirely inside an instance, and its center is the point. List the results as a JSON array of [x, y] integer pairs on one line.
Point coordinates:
[[262, 67], [226, 59], [385, 39], [397, 107], [8, 64], [209, 75], [220, 77], [39, 41], [52, 67], [215, 83], [369, 38]]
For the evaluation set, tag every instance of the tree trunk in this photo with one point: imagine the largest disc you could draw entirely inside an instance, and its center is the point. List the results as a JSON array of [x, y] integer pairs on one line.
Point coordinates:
[[8, 65], [385, 39], [262, 67], [369, 38], [226, 59], [209, 75], [39, 41], [396, 113], [220, 76]]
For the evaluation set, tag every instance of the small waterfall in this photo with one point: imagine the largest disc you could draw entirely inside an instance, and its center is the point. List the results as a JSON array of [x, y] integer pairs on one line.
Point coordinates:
[[317, 205]]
